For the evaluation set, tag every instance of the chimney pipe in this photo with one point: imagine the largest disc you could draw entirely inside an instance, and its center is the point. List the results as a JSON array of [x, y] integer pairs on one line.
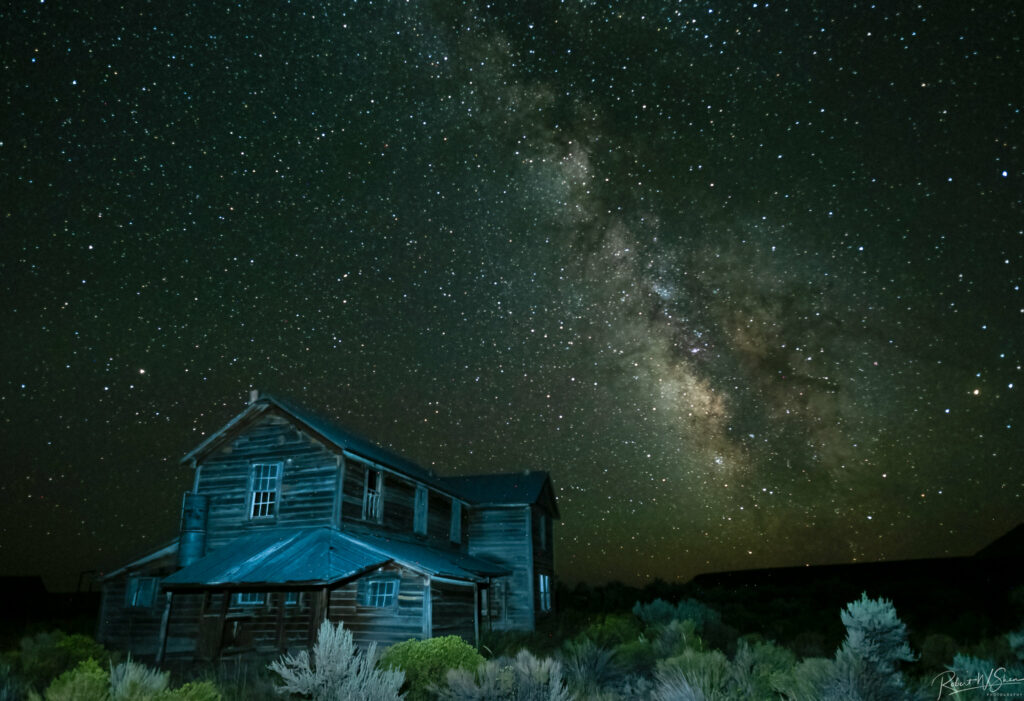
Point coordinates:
[[254, 394]]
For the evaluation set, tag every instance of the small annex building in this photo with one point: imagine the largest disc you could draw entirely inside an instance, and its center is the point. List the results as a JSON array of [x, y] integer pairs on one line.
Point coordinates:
[[293, 519]]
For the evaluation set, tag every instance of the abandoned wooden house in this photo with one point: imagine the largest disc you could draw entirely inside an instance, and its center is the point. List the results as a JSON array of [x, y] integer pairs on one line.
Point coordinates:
[[292, 520]]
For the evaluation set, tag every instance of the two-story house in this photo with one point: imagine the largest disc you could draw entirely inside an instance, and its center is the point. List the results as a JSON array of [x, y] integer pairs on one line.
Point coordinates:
[[292, 519]]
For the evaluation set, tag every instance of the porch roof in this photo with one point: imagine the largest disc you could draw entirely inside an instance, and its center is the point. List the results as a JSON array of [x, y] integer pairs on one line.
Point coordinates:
[[318, 557]]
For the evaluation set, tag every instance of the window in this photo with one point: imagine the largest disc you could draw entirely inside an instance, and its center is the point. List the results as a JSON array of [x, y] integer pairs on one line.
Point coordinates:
[[542, 531], [291, 598], [456, 530], [379, 592], [266, 479], [420, 518], [249, 598], [544, 584], [140, 592], [373, 496]]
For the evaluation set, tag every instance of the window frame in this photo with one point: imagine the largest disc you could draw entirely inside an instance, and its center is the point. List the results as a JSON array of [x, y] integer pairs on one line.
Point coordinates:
[[249, 599], [455, 527], [373, 499], [380, 592], [264, 503], [421, 510], [136, 587], [544, 592]]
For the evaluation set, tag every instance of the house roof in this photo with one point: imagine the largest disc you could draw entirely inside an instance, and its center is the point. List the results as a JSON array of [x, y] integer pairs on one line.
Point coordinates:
[[509, 489], [352, 443], [515, 489], [318, 557]]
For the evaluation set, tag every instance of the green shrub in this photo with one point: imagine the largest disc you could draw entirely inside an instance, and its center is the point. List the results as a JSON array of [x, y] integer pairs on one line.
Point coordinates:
[[613, 630], [658, 612], [44, 656], [673, 638], [636, 656], [426, 661], [754, 666], [193, 691], [86, 682], [340, 672], [937, 651], [705, 673], [805, 680]]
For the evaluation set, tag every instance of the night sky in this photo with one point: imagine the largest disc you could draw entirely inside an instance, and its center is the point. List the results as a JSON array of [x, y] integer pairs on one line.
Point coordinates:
[[744, 277]]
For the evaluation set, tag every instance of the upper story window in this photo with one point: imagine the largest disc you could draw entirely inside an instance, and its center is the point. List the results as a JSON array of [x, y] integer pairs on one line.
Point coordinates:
[[455, 533], [420, 518], [140, 592], [544, 587], [542, 531], [373, 496], [266, 487]]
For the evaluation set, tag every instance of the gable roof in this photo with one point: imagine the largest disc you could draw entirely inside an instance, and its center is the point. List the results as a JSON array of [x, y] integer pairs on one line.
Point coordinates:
[[508, 489], [319, 557], [329, 431]]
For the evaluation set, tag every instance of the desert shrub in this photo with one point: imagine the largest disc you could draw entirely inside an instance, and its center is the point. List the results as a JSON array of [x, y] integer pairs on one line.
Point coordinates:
[[131, 681], [588, 668], [613, 629], [658, 612], [524, 678], [12, 687], [700, 613], [1016, 641], [340, 672], [703, 673], [876, 635], [805, 680], [44, 656], [86, 682], [866, 666], [674, 637], [426, 661], [966, 666], [809, 643], [636, 656], [754, 666], [194, 691], [937, 651]]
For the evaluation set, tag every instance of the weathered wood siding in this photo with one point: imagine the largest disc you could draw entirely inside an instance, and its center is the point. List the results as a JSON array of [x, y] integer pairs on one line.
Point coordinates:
[[452, 609], [399, 506], [129, 629], [502, 535], [308, 476], [543, 556], [183, 625], [383, 626]]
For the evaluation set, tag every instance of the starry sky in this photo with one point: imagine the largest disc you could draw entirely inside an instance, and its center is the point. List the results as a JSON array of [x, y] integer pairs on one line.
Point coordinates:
[[745, 277]]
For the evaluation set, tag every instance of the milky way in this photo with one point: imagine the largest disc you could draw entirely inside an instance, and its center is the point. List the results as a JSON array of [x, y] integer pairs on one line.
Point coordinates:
[[745, 278]]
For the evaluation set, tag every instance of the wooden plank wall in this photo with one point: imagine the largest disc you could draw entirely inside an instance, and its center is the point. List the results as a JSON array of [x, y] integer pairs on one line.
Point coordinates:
[[383, 626], [501, 535], [129, 629], [452, 610], [307, 488], [543, 556]]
